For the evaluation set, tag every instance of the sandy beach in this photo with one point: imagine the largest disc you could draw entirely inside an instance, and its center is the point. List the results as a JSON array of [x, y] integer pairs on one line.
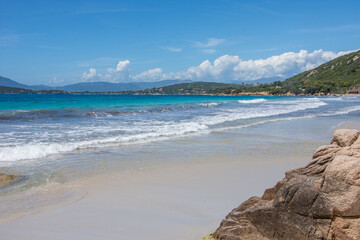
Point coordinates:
[[176, 202], [178, 189], [179, 120]]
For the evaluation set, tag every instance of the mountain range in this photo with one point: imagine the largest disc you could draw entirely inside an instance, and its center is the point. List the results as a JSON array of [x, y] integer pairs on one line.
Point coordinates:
[[93, 86], [112, 87]]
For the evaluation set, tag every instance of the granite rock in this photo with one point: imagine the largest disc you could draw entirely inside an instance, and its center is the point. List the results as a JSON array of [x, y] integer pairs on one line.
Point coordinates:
[[318, 201]]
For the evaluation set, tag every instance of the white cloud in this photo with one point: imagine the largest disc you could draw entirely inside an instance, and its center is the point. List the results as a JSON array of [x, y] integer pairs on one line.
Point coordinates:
[[90, 75], [284, 65], [173, 49], [225, 68], [120, 67], [233, 68], [118, 74], [211, 42], [155, 74]]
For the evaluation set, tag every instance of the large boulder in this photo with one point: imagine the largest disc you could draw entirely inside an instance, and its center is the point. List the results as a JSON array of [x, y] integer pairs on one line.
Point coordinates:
[[318, 201], [345, 137]]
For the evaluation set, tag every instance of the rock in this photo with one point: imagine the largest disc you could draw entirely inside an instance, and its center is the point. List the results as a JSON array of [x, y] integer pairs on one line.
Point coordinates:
[[345, 137], [318, 201], [5, 178], [346, 229]]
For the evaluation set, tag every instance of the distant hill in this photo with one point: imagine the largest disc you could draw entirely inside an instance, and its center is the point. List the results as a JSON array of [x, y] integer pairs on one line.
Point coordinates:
[[12, 90], [93, 86], [201, 87], [116, 87], [7, 82], [334, 77], [99, 87], [185, 88]]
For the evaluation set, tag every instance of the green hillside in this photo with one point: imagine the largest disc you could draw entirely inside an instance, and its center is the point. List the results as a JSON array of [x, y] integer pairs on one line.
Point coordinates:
[[336, 76], [12, 90], [185, 88]]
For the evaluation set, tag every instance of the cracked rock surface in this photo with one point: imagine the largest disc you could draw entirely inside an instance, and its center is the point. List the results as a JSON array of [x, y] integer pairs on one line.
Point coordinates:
[[318, 201]]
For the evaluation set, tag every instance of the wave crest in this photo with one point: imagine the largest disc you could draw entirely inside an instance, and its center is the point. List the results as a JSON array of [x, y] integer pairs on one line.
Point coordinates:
[[210, 104], [258, 100]]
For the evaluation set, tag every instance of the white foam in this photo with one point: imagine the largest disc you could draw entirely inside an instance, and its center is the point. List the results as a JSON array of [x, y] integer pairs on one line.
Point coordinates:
[[341, 111], [261, 111], [40, 150], [258, 100], [112, 134], [266, 121], [211, 104], [332, 99], [297, 101]]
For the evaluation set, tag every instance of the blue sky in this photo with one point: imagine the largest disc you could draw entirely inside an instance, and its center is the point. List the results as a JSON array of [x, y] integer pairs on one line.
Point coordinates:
[[63, 42]]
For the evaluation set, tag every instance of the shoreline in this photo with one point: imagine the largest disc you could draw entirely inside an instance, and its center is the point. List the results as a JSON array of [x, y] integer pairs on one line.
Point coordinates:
[[170, 202], [164, 193], [248, 94], [167, 195]]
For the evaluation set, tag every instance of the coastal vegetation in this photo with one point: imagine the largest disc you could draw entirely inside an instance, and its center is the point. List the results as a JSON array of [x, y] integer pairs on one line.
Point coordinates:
[[185, 88], [13, 90]]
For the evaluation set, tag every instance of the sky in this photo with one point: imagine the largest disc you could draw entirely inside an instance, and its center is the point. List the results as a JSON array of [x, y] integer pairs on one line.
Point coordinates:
[[65, 42]]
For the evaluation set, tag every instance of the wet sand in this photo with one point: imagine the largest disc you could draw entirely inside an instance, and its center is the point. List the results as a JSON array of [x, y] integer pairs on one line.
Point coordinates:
[[179, 189], [174, 202]]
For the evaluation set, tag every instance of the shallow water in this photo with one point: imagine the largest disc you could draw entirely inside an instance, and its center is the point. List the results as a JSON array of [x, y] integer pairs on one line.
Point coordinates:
[[51, 138], [55, 152], [40, 126]]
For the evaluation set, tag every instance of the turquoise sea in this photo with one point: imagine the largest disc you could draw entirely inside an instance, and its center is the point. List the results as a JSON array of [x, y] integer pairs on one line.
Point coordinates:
[[34, 127]]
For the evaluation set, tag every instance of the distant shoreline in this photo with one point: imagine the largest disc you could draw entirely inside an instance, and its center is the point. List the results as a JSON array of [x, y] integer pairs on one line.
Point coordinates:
[[249, 94]]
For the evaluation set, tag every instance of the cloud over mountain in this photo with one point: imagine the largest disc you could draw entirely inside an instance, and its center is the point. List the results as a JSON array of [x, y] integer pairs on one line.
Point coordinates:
[[150, 75], [225, 68], [118, 74]]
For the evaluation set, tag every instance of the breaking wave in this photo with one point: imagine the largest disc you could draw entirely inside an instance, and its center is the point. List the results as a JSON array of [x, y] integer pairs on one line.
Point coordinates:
[[259, 100], [22, 140]]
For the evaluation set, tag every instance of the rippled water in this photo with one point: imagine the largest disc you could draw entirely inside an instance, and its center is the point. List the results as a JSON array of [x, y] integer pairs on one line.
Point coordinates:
[[37, 126]]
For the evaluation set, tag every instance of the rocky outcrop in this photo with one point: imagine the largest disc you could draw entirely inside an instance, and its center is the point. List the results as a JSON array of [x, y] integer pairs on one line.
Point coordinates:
[[6, 178], [319, 201]]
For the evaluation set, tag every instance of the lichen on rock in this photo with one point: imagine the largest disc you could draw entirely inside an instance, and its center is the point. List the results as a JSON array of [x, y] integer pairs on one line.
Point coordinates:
[[318, 201], [208, 237]]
